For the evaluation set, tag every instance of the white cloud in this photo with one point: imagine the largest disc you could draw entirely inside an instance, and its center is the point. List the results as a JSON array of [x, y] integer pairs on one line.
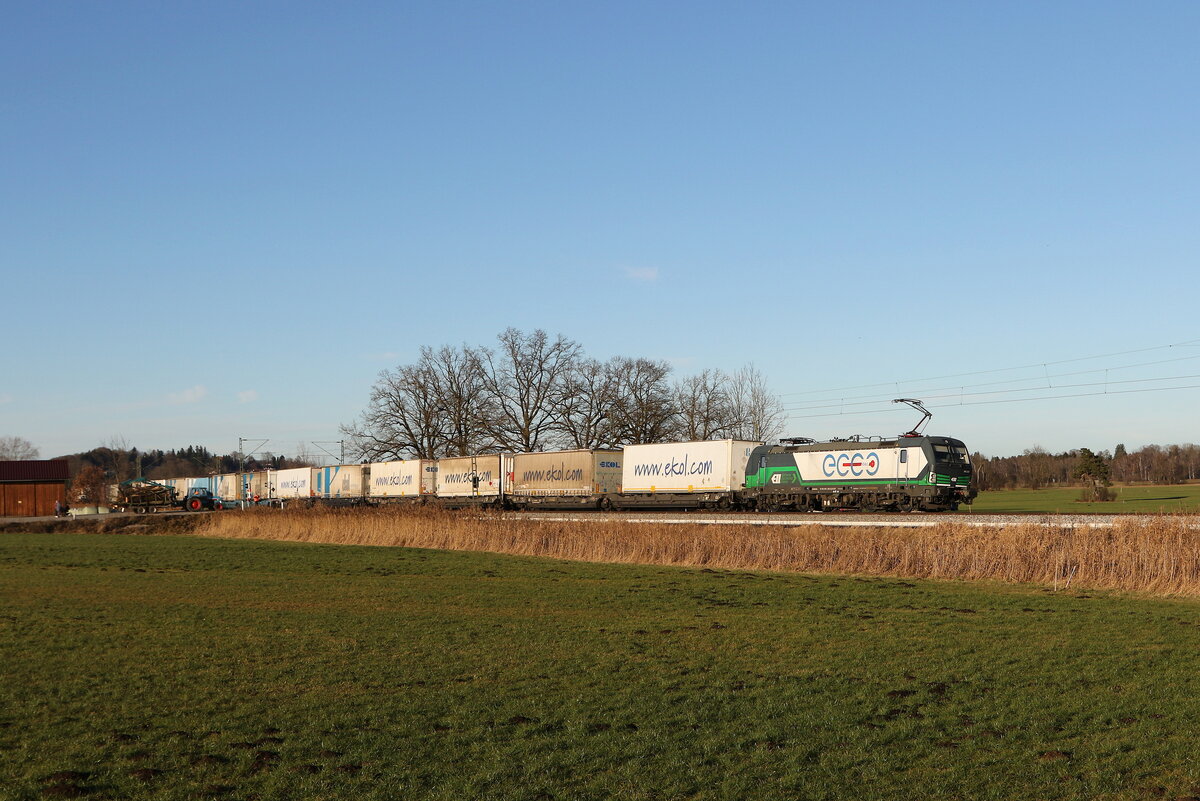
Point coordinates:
[[192, 395], [644, 274], [247, 396]]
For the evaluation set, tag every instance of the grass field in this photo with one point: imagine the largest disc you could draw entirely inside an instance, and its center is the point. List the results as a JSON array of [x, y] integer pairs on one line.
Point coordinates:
[[1173, 499], [161, 667]]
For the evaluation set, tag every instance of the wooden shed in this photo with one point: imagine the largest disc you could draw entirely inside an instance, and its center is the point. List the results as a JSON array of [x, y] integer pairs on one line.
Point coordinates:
[[29, 488]]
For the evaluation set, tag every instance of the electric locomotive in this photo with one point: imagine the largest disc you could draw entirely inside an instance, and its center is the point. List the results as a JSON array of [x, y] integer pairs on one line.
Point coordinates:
[[911, 472]]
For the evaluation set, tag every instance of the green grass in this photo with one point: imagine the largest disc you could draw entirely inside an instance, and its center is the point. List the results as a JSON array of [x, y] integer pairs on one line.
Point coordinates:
[[241, 669], [1177, 498]]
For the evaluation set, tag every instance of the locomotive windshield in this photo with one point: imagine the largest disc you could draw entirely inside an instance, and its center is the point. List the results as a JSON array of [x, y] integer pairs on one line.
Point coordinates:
[[951, 454]]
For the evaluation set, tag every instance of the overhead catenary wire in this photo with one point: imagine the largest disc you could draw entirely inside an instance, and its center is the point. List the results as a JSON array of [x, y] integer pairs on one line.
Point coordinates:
[[962, 394], [1008, 400], [959, 388], [1032, 365]]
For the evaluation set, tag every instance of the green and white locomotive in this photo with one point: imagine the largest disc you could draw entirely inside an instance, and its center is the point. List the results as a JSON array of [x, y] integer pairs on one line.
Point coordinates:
[[911, 472]]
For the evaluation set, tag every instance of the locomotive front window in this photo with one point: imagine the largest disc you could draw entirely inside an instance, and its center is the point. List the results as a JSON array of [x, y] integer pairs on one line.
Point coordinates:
[[947, 454], [941, 453]]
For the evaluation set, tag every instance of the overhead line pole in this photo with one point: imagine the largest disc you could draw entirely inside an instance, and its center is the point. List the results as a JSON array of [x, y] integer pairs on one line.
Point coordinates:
[[242, 460], [321, 445]]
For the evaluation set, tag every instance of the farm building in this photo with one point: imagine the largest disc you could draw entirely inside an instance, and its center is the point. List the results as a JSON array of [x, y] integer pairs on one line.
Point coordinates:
[[30, 488]]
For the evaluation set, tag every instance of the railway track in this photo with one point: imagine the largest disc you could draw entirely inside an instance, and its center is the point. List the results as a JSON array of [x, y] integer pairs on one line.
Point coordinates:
[[910, 520], [793, 519]]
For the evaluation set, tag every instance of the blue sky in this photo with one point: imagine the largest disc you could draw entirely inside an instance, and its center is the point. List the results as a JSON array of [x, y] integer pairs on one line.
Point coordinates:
[[224, 219]]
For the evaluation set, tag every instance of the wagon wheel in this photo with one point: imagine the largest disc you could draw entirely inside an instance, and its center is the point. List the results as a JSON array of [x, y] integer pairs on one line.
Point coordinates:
[[605, 505]]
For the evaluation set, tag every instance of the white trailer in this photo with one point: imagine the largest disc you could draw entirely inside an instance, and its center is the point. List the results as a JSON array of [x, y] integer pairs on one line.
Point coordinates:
[[260, 485], [410, 478], [474, 479], [228, 486], [297, 482], [340, 481], [684, 473]]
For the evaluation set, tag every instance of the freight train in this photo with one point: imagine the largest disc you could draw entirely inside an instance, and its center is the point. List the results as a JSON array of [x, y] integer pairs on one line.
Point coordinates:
[[910, 472]]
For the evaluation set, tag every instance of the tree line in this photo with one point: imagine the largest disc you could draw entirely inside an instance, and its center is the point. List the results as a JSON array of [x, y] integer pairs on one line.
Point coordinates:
[[532, 393], [118, 462], [1036, 468]]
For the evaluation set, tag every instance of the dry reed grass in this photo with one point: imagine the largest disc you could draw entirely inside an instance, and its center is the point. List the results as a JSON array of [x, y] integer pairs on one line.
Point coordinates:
[[1161, 556]]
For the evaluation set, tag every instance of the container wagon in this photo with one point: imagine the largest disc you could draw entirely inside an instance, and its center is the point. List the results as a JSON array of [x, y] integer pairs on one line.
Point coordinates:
[[565, 479], [297, 482], [342, 482], [228, 486], [687, 475], [473, 480], [407, 480]]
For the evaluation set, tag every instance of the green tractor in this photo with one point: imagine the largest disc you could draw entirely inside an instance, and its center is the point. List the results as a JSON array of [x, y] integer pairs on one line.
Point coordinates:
[[200, 499]]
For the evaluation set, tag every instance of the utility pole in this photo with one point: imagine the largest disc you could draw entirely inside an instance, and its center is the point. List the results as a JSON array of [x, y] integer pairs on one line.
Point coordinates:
[[259, 444], [340, 442]]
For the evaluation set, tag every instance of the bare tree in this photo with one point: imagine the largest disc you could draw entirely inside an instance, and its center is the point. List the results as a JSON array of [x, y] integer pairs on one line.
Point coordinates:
[[525, 382], [644, 409], [534, 392], [307, 456], [1035, 468], [705, 405], [404, 416], [759, 412], [586, 408], [456, 378], [17, 449], [116, 458]]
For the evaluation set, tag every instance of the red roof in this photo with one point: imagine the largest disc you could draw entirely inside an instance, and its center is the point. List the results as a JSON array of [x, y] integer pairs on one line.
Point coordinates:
[[35, 470]]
